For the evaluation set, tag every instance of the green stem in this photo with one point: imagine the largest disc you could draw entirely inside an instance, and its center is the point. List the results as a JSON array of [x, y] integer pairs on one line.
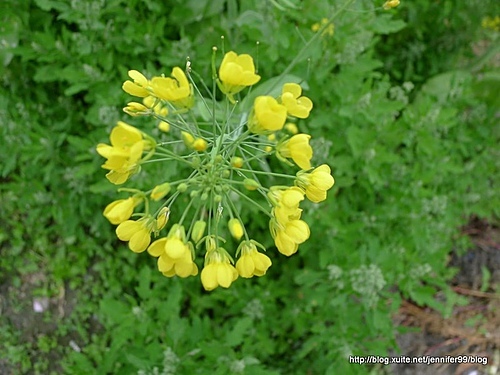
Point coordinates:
[[304, 49], [251, 201]]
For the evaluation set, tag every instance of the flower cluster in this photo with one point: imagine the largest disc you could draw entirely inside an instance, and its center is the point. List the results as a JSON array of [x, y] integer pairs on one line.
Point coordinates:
[[216, 157], [492, 23]]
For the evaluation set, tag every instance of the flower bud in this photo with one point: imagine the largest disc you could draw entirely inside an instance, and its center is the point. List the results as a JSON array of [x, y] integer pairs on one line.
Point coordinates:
[[199, 144], [210, 244], [198, 230], [188, 139], [162, 218], [235, 228], [135, 109], [120, 210], [390, 4], [236, 162], [164, 126], [182, 187], [160, 191], [250, 184], [291, 128]]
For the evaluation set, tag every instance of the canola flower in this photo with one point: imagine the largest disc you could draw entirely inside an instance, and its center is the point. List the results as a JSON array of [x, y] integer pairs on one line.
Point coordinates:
[[390, 4], [492, 23], [329, 27], [214, 152]]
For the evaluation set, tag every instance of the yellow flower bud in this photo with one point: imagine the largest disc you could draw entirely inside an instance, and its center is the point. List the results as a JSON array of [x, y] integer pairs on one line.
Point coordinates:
[[164, 126], [149, 101], [199, 144], [235, 228], [390, 4], [210, 244], [162, 218], [120, 210], [236, 162], [188, 139], [160, 191], [135, 109], [291, 128]]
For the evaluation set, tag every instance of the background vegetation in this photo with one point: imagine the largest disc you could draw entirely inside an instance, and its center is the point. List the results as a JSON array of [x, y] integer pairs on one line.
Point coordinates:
[[406, 114]]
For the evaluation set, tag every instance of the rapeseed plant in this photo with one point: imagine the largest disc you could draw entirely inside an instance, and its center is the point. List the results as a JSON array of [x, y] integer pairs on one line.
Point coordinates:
[[224, 153]]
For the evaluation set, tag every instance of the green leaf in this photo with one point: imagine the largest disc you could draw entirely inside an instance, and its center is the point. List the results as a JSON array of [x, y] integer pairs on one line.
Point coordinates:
[[423, 295], [235, 336], [384, 24], [10, 25]]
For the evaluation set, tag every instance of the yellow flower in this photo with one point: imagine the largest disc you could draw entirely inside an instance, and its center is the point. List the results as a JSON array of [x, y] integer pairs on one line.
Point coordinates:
[[159, 191], [288, 236], [297, 148], [286, 203], [125, 151], [267, 115], [492, 23], [218, 270], [315, 183], [120, 210], [176, 90], [236, 73], [330, 29], [296, 105], [137, 88], [137, 233], [251, 262], [175, 247], [182, 265], [235, 228], [176, 243], [390, 4]]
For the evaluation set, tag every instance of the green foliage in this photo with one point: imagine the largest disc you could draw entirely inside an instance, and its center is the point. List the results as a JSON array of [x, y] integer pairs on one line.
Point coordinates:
[[404, 114]]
